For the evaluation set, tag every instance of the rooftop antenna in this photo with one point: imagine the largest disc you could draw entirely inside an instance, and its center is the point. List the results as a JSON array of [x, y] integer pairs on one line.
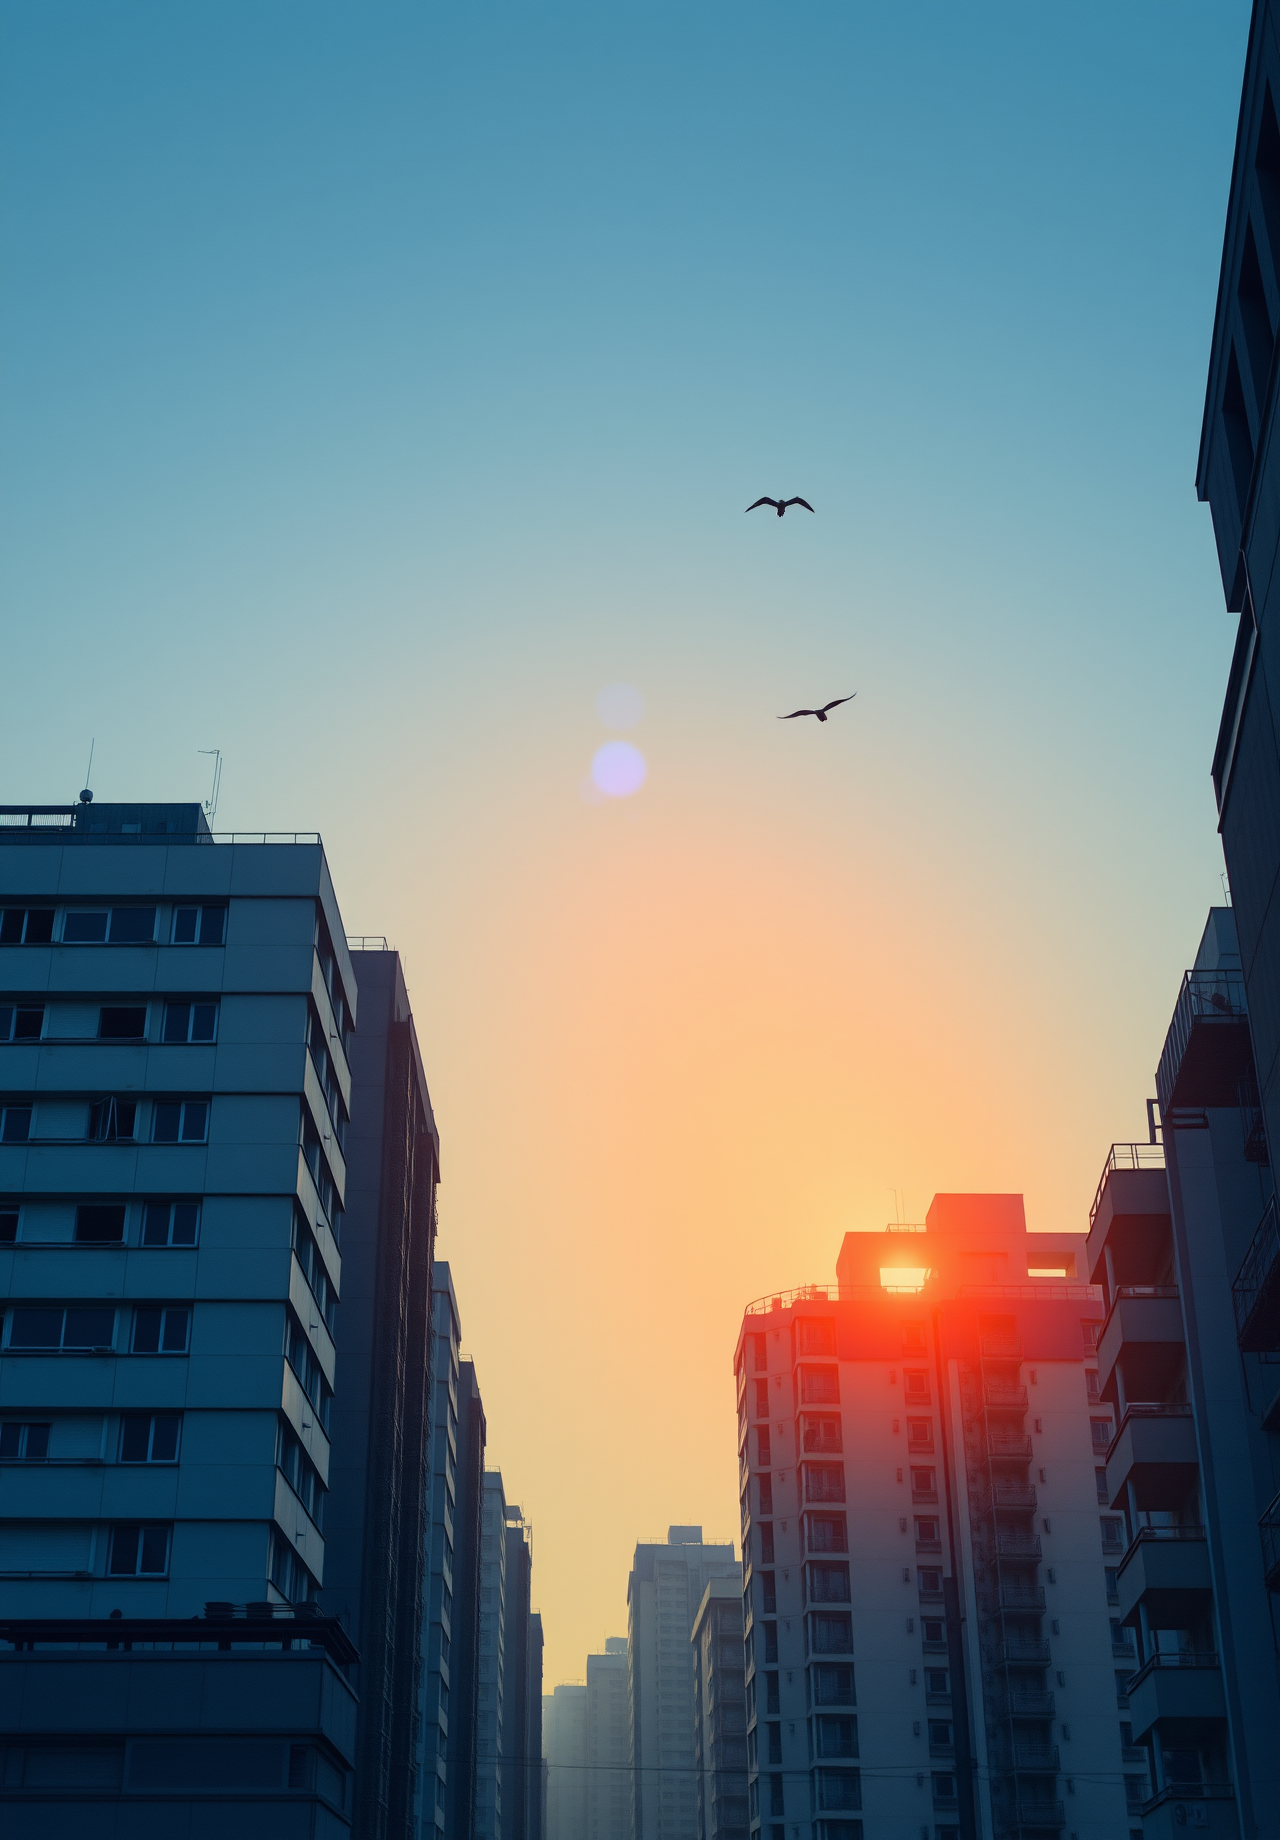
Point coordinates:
[[211, 803], [86, 797]]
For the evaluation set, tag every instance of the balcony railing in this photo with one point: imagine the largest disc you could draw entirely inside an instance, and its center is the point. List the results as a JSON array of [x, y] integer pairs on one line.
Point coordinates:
[[1014, 1496], [1012, 1543], [1023, 1651], [1029, 1705], [1005, 1393], [1042, 1759], [1014, 1449], [1192, 1073], [1255, 1293], [1126, 1156], [1190, 1792], [1269, 1527], [1020, 1597], [1174, 1658], [783, 1300]]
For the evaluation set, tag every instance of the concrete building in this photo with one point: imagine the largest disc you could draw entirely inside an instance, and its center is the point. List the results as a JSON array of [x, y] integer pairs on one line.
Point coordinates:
[[925, 1552], [522, 1687], [464, 1652], [437, 1643], [1190, 1369], [178, 1019], [664, 1590], [492, 1661], [564, 1725], [608, 1744], [380, 1466], [720, 1713]]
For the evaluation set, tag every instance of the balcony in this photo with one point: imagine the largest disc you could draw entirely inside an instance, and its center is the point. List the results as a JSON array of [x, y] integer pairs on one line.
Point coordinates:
[[1207, 1052], [1155, 1449], [1167, 1568], [1014, 1543], [1039, 1816], [1028, 1703], [1022, 1651], [1256, 1290], [1005, 1396], [1184, 1686], [1144, 1327], [1007, 1447], [1207, 1807], [1016, 1597], [1116, 1186], [1013, 1497], [1036, 1759]]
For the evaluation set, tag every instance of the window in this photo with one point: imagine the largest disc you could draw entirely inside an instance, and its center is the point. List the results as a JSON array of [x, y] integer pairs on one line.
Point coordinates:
[[1100, 1482], [302, 1475], [832, 1684], [764, 1489], [923, 1482], [195, 1021], [934, 1631], [944, 1786], [939, 1731], [759, 1353], [15, 1124], [920, 1433], [839, 1789], [1121, 1638], [828, 1582], [762, 1446], [1113, 1584], [122, 1022], [123, 926], [21, 1022], [930, 1580], [51, 1328], [770, 1641], [821, 1431], [830, 1632], [766, 1543], [8, 1224], [1112, 1532], [915, 1384], [180, 1121], [206, 926], [1101, 1430], [820, 1386], [26, 926], [100, 1224], [1122, 1687], [826, 1533], [161, 1329], [914, 1339], [305, 1364], [1092, 1385], [768, 1593], [112, 1121], [815, 1335], [824, 1481], [935, 1680], [149, 1437], [21, 1443], [927, 1532], [170, 1223], [138, 1552], [772, 1701]]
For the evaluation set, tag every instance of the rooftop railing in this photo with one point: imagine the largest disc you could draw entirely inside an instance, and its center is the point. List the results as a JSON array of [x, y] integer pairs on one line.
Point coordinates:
[[1125, 1156], [783, 1300]]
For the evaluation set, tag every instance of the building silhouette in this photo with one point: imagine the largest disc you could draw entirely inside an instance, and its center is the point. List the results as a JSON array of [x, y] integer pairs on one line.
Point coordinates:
[[564, 1724], [929, 1643], [608, 1744], [720, 1713]]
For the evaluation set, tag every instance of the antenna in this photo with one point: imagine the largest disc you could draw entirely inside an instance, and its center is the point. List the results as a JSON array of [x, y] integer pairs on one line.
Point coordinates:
[[86, 797], [211, 803]]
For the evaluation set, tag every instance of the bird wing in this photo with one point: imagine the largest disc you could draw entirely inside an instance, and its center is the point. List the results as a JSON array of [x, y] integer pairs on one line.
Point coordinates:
[[838, 700], [763, 501], [801, 501], [798, 712]]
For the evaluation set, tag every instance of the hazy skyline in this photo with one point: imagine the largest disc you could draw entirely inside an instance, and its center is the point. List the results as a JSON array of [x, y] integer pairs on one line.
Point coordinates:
[[378, 386]]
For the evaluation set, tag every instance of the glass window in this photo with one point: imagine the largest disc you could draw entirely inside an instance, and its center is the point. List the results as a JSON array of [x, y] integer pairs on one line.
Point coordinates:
[[21, 1022], [190, 1021], [159, 1330], [138, 1552], [122, 1022], [21, 1443], [132, 926], [100, 1224], [149, 1437], [112, 1120], [85, 926], [171, 1223], [205, 925], [183, 1121], [15, 1124], [8, 1225]]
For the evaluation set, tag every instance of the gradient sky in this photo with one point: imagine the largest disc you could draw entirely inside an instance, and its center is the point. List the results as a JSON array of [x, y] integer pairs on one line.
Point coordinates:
[[378, 383]]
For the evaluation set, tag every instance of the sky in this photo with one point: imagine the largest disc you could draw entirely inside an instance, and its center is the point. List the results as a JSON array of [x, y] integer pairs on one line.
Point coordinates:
[[381, 384]]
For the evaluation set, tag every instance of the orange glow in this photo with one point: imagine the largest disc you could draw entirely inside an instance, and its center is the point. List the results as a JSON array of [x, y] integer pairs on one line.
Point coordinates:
[[901, 1279]]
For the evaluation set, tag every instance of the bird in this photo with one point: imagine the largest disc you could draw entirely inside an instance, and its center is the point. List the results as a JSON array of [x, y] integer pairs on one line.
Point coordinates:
[[780, 504], [820, 713]]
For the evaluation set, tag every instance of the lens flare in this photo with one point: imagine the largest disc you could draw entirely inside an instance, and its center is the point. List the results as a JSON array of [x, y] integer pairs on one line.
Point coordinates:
[[618, 769], [619, 705], [901, 1279]]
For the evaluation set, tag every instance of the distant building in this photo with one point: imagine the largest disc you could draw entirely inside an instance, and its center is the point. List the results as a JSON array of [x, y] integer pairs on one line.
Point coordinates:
[[564, 1724], [720, 1713], [666, 1586], [1190, 1370], [440, 1652], [490, 1719], [464, 1651], [925, 1553], [608, 1744], [522, 1687]]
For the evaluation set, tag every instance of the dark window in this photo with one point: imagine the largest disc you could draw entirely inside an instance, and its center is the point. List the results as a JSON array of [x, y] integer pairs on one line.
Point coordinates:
[[1113, 1584], [770, 1641], [132, 926], [15, 1124], [89, 1328], [924, 1482], [85, 926], [204, 925], [1100, 1483], [149, 1437], [180, 1121], [190, 1021], [939, 1731], [764, 1489], [929, 1579], [159, 1330], [920, 1433], [772, 1701], [1122, 1686], [831, 1632], [1101, 1429], [819, 1386], [762, 1399], [821, 1431], [934, 1629], [170, 1223], [826, 1533], [1266, 164], [824, 1481], [112, 1120], [935, 1680], [766, 1542], [8, 1225], [944, 1787], [32, 926], [120, 1022], [835, 1737], [1235, 425], [34, 1328], [828, 1583], [21, 1443], [915, 1384], [21, 1022], [762, 1446], [769, 1593], [832, 1684], [138, 1552], [53, 1328], [927, 1531], [100, 1224]]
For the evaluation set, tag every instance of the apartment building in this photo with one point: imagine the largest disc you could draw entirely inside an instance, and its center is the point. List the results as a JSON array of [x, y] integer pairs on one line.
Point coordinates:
[[492, 1660], [522, 1686], [929, 1644], [176, 1029], [564, 1725], [437, 1648], [1187, 1359], [664, 1590], [720, 1713], [464, 1650], [608, 1810]]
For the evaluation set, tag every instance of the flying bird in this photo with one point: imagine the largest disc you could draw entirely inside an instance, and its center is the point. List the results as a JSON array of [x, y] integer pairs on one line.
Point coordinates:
[[780, 504], [820, 713]]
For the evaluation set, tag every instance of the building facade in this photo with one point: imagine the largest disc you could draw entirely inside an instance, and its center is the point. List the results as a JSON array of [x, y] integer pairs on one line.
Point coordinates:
[[929, 1644], [464, 1650], [608, 1811], [437, 1620], [720, 1713], [491, 1669], [177, 1020], [564, 1725], [664, 1590]]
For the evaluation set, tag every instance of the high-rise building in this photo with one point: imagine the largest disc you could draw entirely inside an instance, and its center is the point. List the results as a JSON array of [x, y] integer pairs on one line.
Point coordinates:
[[664, 1590], [464, 1652], [380, 1472], [564, 1725], [720, 1713], [925, 1553], [438, 1647], [535, 1755], [522, 1687], [1189, 1368], [608, 1744], [491, 1665], [176, 1037]]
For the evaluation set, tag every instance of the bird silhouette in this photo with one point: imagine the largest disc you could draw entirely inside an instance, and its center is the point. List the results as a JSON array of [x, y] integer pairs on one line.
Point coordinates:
[[820, 713], [780, 504]]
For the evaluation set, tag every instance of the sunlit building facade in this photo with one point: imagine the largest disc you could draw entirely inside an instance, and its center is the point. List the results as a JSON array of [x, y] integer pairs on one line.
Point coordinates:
[[930, 1646]]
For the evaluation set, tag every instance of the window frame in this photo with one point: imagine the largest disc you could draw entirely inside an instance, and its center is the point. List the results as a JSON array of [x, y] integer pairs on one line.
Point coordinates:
[[163, 1311], [190, 1005], [160, 1107], [171, 1203]]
